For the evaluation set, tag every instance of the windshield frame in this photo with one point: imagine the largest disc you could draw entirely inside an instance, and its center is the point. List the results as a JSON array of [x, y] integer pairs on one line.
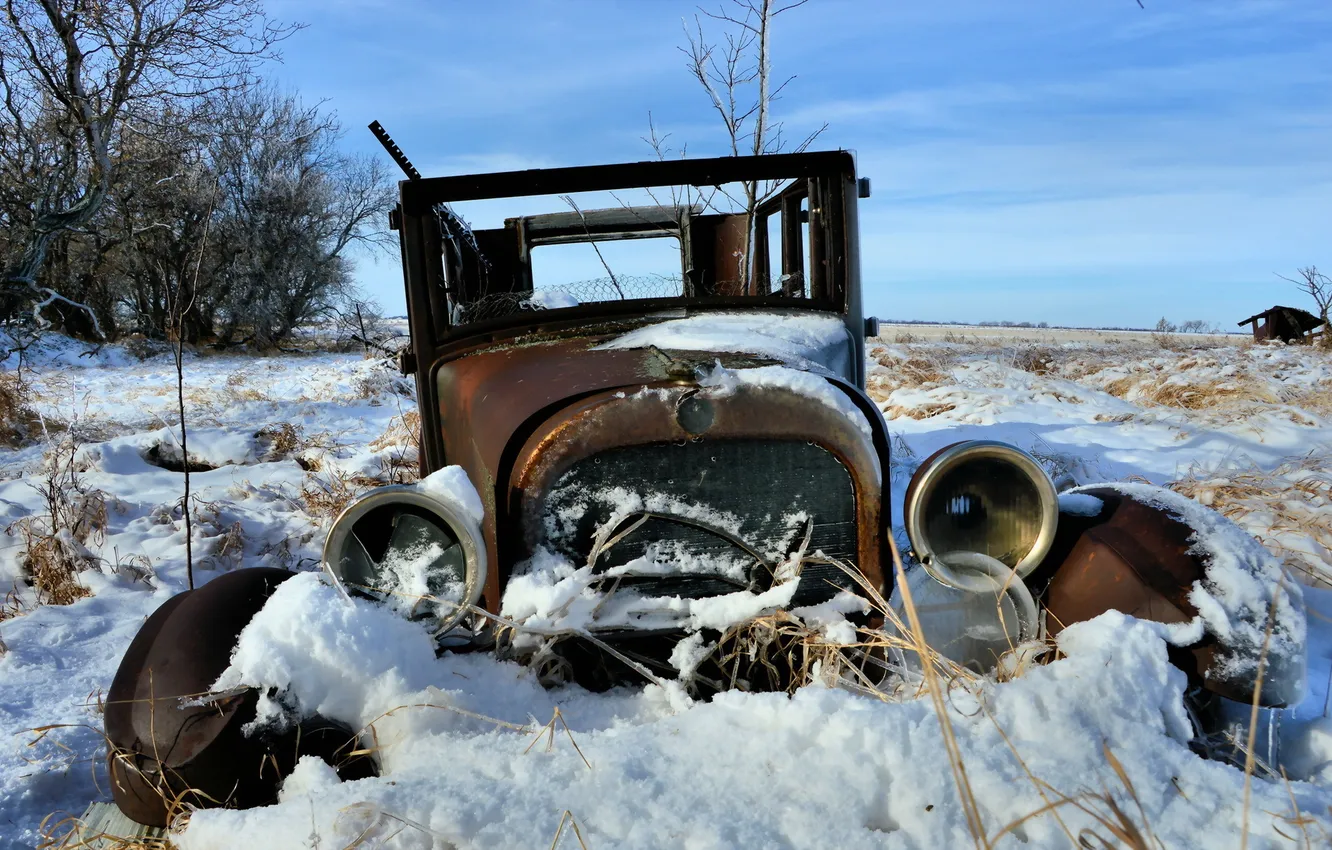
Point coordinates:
[[427, 228]]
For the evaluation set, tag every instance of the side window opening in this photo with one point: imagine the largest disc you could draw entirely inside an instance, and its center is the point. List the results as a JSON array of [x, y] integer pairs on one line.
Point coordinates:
[[782, 236], [573, 273]]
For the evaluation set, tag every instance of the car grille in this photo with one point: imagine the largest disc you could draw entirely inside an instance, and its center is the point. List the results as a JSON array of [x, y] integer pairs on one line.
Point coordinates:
[[701, 506]]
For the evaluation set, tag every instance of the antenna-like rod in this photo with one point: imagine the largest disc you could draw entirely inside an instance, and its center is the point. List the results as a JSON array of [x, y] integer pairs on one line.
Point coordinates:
[[394, 151]]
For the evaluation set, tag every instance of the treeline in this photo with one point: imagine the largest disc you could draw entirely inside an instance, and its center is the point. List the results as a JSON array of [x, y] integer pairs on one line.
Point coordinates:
[[151, 183]]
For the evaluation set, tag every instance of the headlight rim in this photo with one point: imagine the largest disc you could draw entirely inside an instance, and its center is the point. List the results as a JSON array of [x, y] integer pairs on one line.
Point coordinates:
[[945, 460], [460, 524]]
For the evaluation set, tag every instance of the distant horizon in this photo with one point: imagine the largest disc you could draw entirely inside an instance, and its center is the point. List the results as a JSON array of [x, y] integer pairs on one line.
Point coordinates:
[[1016, 325], [1097, 164]]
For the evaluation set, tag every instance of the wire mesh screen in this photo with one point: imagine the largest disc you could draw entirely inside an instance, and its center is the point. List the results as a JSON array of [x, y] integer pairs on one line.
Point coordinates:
[[618, 288]]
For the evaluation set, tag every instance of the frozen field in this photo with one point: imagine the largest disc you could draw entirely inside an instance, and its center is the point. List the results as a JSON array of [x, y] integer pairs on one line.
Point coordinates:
[[288, 440], [891, 331]]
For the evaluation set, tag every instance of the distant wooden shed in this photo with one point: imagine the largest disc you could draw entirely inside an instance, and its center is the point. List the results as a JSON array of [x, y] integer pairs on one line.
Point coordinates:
[[1288, 324]]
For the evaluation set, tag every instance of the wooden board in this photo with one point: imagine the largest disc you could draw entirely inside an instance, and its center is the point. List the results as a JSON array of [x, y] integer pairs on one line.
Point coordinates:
[[105, 828]]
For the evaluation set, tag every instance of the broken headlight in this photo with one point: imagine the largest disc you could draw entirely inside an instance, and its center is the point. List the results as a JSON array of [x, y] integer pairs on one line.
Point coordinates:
[[410, 551]]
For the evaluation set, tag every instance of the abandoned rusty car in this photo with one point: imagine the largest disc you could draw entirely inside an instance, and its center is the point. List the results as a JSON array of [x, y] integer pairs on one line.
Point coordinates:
[[683, 440]]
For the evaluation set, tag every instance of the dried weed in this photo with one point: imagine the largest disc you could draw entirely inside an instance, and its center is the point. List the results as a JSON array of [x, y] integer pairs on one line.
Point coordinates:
[[1172, 390], [1289, 508], [1036, 359], [19, 423], [918, 411], [922, 367], [402, 442], [326, 493], [279, 441], [53, 549]]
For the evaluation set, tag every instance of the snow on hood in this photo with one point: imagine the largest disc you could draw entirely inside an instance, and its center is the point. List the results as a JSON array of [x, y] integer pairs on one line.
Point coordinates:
[[799, 382], [1238, 593], [797, 339]]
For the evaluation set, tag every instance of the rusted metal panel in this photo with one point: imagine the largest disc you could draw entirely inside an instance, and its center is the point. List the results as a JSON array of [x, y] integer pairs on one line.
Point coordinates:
[[163, 745], [728, 255], [617, 222], [491, 400], [422, 303], [609, 420], [486, 398], [793, 248], [1136, 559], [419, 195]]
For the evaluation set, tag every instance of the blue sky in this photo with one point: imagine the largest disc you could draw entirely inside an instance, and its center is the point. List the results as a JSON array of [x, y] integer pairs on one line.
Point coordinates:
[[1087, 163]]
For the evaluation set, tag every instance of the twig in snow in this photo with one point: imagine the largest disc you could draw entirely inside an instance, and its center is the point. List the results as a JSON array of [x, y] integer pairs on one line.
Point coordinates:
[[1253, 712], [568, 818], [549, 728], [179, 352]]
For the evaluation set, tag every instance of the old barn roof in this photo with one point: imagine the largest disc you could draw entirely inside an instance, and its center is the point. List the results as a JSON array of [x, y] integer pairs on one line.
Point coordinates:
[[1305, 320]]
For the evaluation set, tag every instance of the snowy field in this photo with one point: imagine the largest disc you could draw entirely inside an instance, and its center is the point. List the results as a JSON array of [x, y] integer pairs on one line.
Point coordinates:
[[1014, 335], [1085, 743]]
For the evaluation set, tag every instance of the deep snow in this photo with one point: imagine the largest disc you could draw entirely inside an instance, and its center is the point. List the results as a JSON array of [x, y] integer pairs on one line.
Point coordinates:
[[826, 767]]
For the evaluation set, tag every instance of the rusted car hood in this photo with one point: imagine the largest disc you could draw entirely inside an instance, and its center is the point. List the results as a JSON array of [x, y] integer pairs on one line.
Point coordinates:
[[492, 400]]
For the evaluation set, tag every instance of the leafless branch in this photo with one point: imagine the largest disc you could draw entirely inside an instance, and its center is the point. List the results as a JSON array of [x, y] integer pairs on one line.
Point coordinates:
[[735, 73], [568, 199]]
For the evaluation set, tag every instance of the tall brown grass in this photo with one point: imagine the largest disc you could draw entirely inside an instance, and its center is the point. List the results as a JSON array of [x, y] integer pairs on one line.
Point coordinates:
[[53, 540], [1283, 507]]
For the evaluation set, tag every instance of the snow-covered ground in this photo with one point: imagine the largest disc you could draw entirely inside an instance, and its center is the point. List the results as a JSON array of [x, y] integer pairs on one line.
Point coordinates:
[[1246, 429]]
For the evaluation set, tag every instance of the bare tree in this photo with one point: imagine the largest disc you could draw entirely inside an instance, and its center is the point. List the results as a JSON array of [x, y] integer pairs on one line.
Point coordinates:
[[290, 209], [1317, 286], [97, 71], [159, 211], [736, 74]]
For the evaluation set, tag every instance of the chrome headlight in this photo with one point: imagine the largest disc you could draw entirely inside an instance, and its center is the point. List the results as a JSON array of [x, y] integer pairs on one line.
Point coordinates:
[[980, 496], [409, 550]]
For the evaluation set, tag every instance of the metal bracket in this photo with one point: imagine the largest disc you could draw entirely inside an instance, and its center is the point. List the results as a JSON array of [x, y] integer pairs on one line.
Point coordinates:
[[394, 151], [407, 362]]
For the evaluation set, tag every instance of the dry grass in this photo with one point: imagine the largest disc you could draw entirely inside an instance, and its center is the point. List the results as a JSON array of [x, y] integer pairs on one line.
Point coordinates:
[[922, 367], [927, 410], [377, 827], [1036, 359], [71, 833], [63, 831], [1289, 508], [19, 423], [403, 430], [383, 381], [1316, 399], [567, 820], [279, 441], [226, 542], [328, 492], [1168, 390], [402, 442], [53, 550], [1066, 469]]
